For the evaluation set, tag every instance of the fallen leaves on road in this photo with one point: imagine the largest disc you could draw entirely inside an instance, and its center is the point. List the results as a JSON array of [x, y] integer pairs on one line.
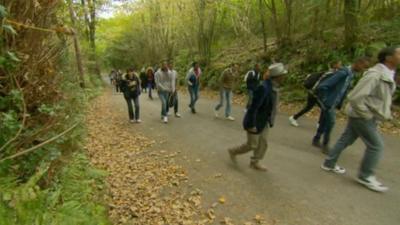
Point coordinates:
[[144, 184]]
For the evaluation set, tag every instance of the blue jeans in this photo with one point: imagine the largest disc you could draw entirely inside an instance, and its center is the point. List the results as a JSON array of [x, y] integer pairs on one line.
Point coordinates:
[[194, 95], [227, 94], [368, 132], [150, 86], [163, 95], [132, 115], [250, 93], [327, 122]]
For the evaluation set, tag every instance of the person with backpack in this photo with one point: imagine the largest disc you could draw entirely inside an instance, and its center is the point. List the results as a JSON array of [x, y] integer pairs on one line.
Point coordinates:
[[130, 86], [165, 83], [193, 81], [369, 103], [173, 98], [252, 79], [331, 93], [260, 116], [309, 83], [227, 82]]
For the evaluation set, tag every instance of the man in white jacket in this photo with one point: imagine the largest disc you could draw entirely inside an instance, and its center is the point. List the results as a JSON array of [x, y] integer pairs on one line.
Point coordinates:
[[369, 102]]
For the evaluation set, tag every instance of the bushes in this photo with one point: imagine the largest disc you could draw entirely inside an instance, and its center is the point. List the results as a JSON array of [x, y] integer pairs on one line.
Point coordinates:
[[69, 200]]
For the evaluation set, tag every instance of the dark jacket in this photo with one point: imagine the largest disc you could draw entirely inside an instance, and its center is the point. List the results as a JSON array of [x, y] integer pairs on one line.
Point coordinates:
[[143, 79], [261, 110], [130, 86], [332, 91], [252, 80]]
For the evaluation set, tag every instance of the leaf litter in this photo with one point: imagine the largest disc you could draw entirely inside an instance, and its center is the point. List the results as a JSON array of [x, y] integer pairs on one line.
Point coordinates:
[[144, 186]]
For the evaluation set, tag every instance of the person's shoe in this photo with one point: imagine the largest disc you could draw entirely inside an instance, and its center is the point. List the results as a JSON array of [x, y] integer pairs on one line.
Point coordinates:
[[257, 166], [316, 143], [165, 119], [177, 115], [337, 169], [132, 121], [216, 113], [193, 110], [232, 156], [372, 184], [230, 118], [293, 121], [138, 121]]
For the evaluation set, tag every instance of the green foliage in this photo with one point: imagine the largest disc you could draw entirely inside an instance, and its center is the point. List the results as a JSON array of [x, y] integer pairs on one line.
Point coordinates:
[[71, 199]]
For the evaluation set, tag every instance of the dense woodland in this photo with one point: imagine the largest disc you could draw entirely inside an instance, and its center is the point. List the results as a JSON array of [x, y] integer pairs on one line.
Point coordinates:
[[306, 35], [53, 53]]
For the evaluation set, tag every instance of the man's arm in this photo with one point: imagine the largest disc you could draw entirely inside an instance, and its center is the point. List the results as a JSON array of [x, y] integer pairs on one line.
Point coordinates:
[[188, 75], [360, 92], [326, 86]]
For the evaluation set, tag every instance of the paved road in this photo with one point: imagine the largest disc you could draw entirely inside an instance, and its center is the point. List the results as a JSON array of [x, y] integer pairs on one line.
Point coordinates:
[[294, 191]]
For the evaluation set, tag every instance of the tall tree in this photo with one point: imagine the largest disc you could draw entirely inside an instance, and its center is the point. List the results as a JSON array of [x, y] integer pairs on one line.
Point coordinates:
[[351, 24], [92, 36], [262, 20], [78, 53]]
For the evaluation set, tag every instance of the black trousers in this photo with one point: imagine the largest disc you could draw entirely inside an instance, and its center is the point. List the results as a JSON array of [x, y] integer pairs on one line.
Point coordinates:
[[133, 115], [311, 103]]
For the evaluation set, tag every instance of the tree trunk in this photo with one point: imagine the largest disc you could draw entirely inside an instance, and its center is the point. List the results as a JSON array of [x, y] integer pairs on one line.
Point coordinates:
[[351, 24], [289, 9], [87, 20], [262, 18], [275, 20], [92, 36], [78, 54]]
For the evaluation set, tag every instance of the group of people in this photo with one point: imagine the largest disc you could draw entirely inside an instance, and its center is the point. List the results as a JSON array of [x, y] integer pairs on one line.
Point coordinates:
[[369, 102], [164, 79]]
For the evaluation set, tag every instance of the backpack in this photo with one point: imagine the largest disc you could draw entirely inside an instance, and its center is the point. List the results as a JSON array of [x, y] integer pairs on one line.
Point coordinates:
[[312, 79]]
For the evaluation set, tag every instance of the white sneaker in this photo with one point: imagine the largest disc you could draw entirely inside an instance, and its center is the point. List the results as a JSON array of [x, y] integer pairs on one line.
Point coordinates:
[[337, 169], [372, 184], [216, 113], [177, 115], [293, 122], [132, 121], [230, 118], [165, 120], [138, 121]]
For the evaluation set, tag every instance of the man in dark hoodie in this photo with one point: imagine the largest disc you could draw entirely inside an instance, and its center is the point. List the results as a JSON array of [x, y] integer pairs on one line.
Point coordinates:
[[260, 116]]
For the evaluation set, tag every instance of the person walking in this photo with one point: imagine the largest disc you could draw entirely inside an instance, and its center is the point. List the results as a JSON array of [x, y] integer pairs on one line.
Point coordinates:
[[252, 79], [260, 116], [331, 93], [193, 81], [369, 103], [227, 82], [165, 86], [311, 81], [150, 81], [174, 95], [117, 81], [143, 80], [130, 86]]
